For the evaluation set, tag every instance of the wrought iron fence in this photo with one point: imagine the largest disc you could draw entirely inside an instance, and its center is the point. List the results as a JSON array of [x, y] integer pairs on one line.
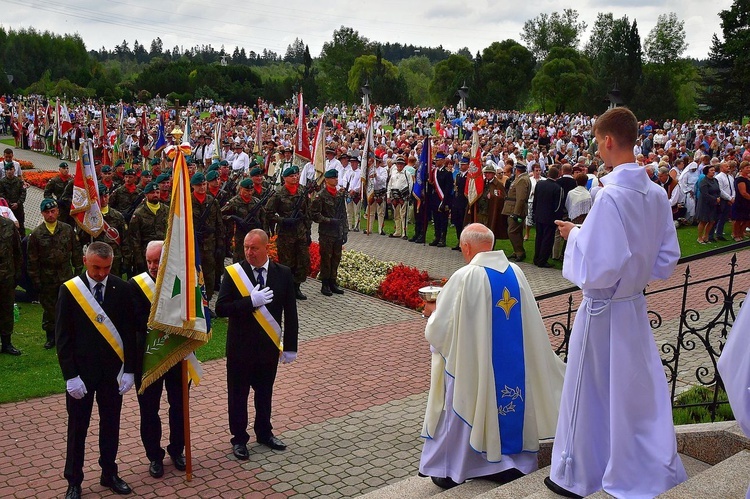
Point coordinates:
[[690, 342]]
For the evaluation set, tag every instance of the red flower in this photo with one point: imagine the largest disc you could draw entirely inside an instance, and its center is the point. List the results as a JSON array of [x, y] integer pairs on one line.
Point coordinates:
[[402, 284]]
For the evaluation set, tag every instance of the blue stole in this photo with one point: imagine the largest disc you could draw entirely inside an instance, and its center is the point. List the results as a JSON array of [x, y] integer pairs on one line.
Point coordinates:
[[507, 358]]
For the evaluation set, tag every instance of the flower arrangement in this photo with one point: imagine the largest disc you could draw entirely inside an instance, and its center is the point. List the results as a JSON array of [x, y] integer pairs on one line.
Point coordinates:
[[402, 284], [38, 179], [314, 259], [25, 164], [361, 272], [273, 252]]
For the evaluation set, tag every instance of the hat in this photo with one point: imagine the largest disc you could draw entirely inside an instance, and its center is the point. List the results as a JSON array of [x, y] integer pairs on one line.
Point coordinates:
[[238, 144], [97, 162], [155, 161], [256, 171], [146, 173], [520, 167], [488, 169], [440, 155], [465, 160], [401, 160], [289, 171], [223, 162], [330, 150], [47, 204], [246, 183], [103, 190], [332, 173], [197, 179], [9, 166], [287, 149], [129, 171], [161, 178], [189, 160], [214, 167], [151, 187], [119, 162], [212, 175], [106, 169], [63, 165], [354, 157]]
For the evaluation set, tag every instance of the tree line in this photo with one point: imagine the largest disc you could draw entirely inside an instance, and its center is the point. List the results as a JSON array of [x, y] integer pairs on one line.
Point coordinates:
[[548, 70]]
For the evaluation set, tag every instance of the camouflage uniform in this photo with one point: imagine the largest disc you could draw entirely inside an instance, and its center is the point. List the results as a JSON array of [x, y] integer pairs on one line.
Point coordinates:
[[293, 230], [62, 191], [10, 273], [237, 207], [52, 259], [121, 260], [209, 231], [145, 226], [13, 191], [330, 213], [122, 200]]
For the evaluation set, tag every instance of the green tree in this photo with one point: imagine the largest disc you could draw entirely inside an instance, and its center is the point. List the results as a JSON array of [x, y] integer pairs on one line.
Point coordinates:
[[505, 70], [383, 76], [563, 80], [450, 74], [336, 59], [556, 30], [417, 71], [666, 41]]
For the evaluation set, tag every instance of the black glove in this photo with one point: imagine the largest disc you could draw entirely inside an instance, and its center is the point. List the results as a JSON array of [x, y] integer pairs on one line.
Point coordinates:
[[288, 222]]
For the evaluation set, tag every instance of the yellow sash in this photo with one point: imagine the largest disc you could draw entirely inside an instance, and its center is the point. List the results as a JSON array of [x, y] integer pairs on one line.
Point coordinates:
[[148, 286], [261, 314]]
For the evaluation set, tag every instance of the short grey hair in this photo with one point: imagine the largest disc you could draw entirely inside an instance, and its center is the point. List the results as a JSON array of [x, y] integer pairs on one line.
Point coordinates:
[[477, 234], [100, 249], [153, 244]]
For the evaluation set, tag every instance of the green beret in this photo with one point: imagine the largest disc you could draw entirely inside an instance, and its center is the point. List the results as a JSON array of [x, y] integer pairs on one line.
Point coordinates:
[[332, 173], [289, 171], [129, 171], [119, 162], [8, 166], [256, 171], [223, 162], [212, 175], [106, 169], [63, 165], [103, 190], [197, 179], [214, 167], [189, 160], [253, 163], [155, 161], [246, 183], [216, 161], [146, 173], [151, 187], [162, 178], [47, 204]]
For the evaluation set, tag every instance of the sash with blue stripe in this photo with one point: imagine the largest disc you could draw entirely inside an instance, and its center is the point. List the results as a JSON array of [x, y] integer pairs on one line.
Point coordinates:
[[507, 358]]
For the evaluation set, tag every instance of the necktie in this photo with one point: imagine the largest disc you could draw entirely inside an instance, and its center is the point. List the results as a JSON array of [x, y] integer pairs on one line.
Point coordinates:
[[261, 281], [98, 292]]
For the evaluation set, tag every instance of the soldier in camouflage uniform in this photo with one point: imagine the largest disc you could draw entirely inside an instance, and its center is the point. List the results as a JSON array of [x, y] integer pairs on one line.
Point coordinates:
[[125, 199], [60, 189], [329, 211], [53, 256], [289, 209], [236, 212], [10, 273], [149, 223], [164, 182], [12, 188], [209, 231], [121, 261]]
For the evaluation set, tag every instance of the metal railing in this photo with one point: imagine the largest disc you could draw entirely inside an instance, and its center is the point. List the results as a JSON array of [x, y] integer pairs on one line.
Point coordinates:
[[690, 342]]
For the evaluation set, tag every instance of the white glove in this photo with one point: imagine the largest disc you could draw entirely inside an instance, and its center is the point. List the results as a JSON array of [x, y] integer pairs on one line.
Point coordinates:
[[261, 297], [288, 357], [127, 383], [76, 388]]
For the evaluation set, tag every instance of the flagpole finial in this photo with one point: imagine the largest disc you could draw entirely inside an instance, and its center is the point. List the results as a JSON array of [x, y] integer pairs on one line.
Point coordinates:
[[177, 134]]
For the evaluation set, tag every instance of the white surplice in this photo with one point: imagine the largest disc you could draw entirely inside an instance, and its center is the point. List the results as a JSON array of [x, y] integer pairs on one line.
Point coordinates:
[[734, 367], [461, 425], [618, 435]]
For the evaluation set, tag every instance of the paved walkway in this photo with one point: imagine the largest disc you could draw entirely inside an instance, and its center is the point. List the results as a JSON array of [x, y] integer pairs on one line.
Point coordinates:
[[350, 409]]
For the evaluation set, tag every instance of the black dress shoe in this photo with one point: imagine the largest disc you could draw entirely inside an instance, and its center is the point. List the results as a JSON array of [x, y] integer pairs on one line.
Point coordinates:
[[382, 232], [10, 349], [544, 265], [274, 443], [405, 238], [504, 477], [721, 238], [49, 344], [444, 483], [179, 462], [335, 287], [559, 490], [299, 294], [156, 469], [393, 235], [240, 452], [73, 492], [456, 247], [115, 484]]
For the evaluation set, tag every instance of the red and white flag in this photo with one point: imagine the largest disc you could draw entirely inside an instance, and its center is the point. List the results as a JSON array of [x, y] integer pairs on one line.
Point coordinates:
[[85, 206], [65, 124], [474, 177], [319, 146], [302, 141]]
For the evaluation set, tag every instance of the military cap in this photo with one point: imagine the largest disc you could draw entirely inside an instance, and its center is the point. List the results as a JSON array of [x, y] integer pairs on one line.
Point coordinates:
[[488, 169], [189, 160], [223, 162], [197, 179], [162, 178], [440, 155], [151, 187], [253, 163], [129, 171], [106, 169], [8, 166], [246, 183], [520, 167], [332, 173], [212, 175], [63, 165], [256, 171], [289, 171], [214, 167], [47, 204], [155, 161], [146, 173], [119, 162], [465, 160], [103, 191]]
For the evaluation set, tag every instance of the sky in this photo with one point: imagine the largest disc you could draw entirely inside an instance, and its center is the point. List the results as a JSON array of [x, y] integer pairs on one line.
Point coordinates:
[[273, 25]]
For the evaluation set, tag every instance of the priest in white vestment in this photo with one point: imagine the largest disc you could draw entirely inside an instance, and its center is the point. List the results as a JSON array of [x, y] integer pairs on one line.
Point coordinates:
[[615, 430], [496, 382]]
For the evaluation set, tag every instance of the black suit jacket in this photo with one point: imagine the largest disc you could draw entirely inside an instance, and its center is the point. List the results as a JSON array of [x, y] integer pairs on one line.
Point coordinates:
[[549, 202], [246, 339], [141, 311], [81, 349]]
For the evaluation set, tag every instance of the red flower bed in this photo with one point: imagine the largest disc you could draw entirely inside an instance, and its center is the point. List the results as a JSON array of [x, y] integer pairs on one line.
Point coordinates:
[[38, 179], [273, 254], [402, 284]]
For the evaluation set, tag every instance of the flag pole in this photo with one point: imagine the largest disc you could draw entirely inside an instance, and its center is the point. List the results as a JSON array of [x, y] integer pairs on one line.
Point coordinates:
[[186, 421]]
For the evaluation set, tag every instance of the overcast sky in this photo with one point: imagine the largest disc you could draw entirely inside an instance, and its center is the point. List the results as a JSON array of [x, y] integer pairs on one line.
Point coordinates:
[[256, 25]]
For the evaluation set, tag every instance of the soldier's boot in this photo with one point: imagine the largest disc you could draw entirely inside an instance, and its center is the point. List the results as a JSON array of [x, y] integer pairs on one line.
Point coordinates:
[[420, 238], [299, 295], [50, 341], [335, 287], [441, 240], [7, 346], [325, 289], [436, 240]]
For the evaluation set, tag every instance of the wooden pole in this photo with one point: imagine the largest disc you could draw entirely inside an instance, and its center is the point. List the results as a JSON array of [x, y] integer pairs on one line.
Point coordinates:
[[186, 422]]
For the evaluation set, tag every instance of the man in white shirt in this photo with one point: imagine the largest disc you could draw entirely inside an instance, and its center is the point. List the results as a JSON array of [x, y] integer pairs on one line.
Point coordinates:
[[353, 184], [398, 194], [728, 191], [241, 161], [378, 179], [332, 162], [208, 152]]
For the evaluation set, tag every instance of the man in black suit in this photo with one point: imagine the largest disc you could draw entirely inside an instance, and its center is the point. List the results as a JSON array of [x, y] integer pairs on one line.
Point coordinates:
[[253, 353], [141, 286], [549, 205], [95, 340]]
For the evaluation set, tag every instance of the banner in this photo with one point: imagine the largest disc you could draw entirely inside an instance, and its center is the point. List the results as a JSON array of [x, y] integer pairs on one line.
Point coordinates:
[[302, 140], [420, 182], [319, 147], [474, 177]]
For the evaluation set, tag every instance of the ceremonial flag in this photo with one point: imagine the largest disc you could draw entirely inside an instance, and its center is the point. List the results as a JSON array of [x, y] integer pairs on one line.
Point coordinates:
[[258, 137], [65, 124], [85, 207], [179, 321], [217, 142], [56, 127], [161, 139], [106, 155], [425, 160], [474, 178], [319, 146], [302, 140], [369, 147]]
